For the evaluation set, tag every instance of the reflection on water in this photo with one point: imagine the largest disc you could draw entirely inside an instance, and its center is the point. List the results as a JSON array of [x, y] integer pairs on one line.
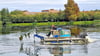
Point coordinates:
[[11, 46], [14, 29], [59, 51], [53, 50], [5, 30], [44, 29]]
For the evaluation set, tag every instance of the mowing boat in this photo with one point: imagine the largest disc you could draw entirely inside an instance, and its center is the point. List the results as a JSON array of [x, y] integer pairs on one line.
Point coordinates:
[[61, 36]]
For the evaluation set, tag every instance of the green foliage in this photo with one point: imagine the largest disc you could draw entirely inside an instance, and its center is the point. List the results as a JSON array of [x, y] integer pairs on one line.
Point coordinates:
[[0, 26], [83, 22], [17, 16], [0, 23], [0, 16], [83, 16], [41, 17], [73, 17], [17, 12], [52, 17], [97, 15], [38, 24], [53, 23], [61, 15], [20, 24], [4, 14], [71, 9], [21, 18]]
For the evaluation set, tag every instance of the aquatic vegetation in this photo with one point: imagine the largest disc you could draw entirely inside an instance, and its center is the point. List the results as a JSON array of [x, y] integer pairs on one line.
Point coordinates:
[[21, 38]]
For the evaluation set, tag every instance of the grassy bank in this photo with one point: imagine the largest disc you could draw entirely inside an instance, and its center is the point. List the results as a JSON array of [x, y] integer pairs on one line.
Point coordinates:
[[20, 24], [53, 23], [83, 22], [97, 22], [0, 26], [38, 24], [0, 22]]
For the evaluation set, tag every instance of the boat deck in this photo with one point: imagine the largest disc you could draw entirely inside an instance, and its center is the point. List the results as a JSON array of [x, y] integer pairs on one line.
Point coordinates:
[[64, 41]]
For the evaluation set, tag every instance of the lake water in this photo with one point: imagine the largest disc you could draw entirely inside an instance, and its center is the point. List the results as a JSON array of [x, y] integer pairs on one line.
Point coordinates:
[[10, 45]]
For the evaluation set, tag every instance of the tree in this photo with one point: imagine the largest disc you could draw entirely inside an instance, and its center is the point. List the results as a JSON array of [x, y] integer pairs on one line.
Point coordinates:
[[71, 8], [0, 15], [61, 16], [83, 16], [97, 16], [17, 12], [73, 17], [4, 14]]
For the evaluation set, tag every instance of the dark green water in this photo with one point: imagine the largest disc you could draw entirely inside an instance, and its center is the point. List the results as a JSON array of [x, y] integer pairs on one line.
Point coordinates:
[[10, 44]]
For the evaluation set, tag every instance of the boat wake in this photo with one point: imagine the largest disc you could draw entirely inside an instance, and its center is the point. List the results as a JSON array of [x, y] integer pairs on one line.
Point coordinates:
[[90, 40]]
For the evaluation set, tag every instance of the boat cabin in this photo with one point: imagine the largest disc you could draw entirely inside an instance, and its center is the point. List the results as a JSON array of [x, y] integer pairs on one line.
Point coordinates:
[[61, 33]]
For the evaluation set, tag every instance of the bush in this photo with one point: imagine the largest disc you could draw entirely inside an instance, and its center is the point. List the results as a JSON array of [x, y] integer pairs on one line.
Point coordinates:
[[0, 23]]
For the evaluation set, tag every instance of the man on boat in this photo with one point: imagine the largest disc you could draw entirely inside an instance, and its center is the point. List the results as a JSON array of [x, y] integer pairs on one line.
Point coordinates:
[[53, 28]]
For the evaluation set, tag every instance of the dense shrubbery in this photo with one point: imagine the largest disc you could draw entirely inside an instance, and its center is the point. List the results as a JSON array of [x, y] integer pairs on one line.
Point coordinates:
[[41, 17], [18, 16], [53, 17]]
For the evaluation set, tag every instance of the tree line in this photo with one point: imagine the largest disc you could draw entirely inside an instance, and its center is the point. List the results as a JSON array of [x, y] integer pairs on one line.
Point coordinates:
[[18, 16]]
